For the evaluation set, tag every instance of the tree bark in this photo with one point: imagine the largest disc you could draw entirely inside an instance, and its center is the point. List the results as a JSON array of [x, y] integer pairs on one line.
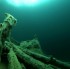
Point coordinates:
[[36, 60], [47, 60], [36, 64], [30, 60], [13, 61]]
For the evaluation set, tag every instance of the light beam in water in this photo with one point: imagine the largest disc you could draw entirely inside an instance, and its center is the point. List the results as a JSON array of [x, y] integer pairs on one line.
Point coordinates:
[[26, 2], [23, 2]]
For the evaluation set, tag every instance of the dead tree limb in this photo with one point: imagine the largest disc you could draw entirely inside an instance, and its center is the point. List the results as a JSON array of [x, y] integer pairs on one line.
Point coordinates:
[[13, 61], [47, 60]]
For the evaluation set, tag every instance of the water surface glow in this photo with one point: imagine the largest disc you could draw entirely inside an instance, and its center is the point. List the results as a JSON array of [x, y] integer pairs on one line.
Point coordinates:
[[26, 2]]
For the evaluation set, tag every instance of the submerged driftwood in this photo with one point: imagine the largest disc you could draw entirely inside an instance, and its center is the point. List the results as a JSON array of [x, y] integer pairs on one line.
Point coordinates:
[[24, 55]]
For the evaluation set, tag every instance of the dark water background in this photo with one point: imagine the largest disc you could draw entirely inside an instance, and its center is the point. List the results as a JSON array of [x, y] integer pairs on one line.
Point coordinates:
[[50, 21]]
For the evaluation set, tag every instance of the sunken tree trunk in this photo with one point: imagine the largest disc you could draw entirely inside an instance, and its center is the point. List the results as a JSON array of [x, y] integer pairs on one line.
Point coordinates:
[[27, 54]]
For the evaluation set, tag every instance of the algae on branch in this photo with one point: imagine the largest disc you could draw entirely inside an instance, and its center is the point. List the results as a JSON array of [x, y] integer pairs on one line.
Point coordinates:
[[27, 54], [5, 30]]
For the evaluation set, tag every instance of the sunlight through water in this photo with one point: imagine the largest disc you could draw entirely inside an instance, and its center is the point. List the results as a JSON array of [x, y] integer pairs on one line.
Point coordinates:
[[25, 2]]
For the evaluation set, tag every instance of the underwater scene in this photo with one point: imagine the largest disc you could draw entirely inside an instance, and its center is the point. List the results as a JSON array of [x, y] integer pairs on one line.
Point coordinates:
[[34, 34]]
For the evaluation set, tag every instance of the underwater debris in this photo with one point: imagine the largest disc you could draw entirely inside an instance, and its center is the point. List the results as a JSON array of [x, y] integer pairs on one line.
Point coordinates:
[[26, 55], [13, 61], [5, 30]]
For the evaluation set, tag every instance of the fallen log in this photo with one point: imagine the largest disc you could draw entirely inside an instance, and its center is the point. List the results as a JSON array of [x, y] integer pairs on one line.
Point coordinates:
[[13, 61], [27, 54], [36, 64], [47, 60], [5, 30]]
